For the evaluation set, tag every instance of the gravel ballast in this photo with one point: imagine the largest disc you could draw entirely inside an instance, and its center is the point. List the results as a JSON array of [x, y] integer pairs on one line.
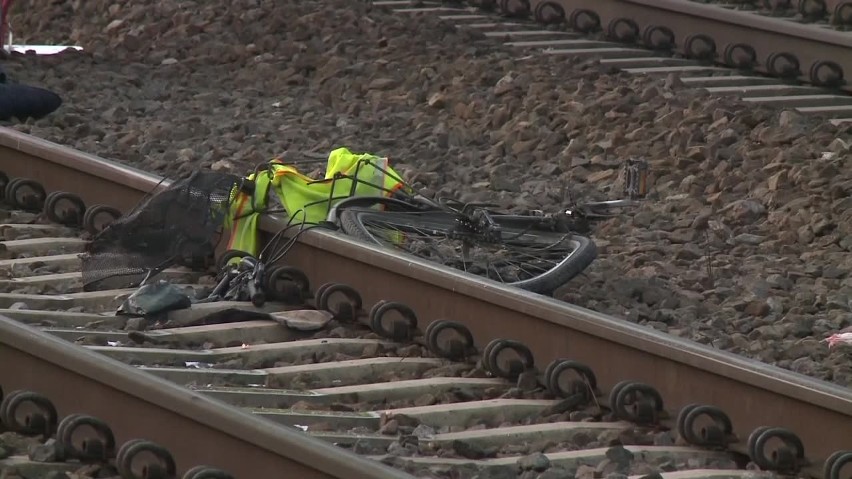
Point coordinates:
[[744, 243]]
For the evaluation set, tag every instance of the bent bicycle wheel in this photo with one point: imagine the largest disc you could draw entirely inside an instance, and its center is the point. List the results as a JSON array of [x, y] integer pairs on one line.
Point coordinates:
[[535, 260]]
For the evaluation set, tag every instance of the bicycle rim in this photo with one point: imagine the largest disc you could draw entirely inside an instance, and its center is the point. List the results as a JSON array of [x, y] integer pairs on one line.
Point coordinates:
[[535, 260]]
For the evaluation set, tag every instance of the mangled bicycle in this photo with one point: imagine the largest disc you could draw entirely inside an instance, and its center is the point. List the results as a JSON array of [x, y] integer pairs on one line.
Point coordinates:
[[534, 250], [362, 197]]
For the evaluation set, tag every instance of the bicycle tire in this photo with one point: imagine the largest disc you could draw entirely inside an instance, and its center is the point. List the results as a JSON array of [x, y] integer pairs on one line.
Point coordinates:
[[582, 255]]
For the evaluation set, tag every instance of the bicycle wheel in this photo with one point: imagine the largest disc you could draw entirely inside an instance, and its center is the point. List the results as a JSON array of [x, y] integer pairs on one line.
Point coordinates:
[[535, 260]]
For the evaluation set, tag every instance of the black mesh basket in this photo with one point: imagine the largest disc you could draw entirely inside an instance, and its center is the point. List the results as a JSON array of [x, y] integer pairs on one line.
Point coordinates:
[[176, 224]]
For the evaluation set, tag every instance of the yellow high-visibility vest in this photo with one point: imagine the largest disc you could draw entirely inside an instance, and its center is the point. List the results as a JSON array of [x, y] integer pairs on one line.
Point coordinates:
[[305, 199]]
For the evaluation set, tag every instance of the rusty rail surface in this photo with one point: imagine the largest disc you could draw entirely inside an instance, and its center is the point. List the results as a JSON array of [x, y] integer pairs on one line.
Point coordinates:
[[752, 394], [736, 39]]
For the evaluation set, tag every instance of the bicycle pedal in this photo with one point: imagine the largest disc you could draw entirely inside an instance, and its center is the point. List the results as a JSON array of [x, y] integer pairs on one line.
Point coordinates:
[[635, 176]]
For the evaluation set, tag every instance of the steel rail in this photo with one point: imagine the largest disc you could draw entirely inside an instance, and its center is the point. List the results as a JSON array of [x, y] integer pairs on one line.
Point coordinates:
[[133, 403], [776, 43], [201, 430], [753, 394]]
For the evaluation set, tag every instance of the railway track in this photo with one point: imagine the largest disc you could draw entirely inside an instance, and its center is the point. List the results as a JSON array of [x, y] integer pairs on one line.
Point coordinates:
[[789, 59], [344, 384], [505, 377]]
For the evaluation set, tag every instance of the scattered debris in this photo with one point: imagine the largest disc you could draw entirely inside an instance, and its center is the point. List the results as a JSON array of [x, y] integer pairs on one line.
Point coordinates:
[[154, 298]]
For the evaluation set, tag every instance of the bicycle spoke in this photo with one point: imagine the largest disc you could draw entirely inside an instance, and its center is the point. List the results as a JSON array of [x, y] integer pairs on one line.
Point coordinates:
[[521, 254]]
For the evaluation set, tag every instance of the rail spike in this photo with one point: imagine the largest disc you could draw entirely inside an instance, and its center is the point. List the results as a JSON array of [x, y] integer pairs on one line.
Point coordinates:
[[4, 181], [624, 30], [842, 14], [90, 218], [812, 9], [99, 448], [287, 284], [549, 13], [156, 461], [26, 194], [71, 215], [523, 362], [206, 472], [717, 434], [826, 73], [740, 55], [835, 463], [700, 47], [636, 402], [400, 329], [788, 457], [783, 65], [515, 8], [658, 37], [584, 21], [41, 421], [344, 310], [582, 381], [456, 347]]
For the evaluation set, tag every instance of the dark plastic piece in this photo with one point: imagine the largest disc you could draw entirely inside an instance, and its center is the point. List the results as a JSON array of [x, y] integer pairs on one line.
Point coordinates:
[[455, 348], [154, 298], [41, 421], [399, 330], [515, 366], [25, 101], [160, 463]]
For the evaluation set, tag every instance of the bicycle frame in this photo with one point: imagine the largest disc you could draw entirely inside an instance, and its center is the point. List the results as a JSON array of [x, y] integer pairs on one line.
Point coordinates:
[[635, 186]]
